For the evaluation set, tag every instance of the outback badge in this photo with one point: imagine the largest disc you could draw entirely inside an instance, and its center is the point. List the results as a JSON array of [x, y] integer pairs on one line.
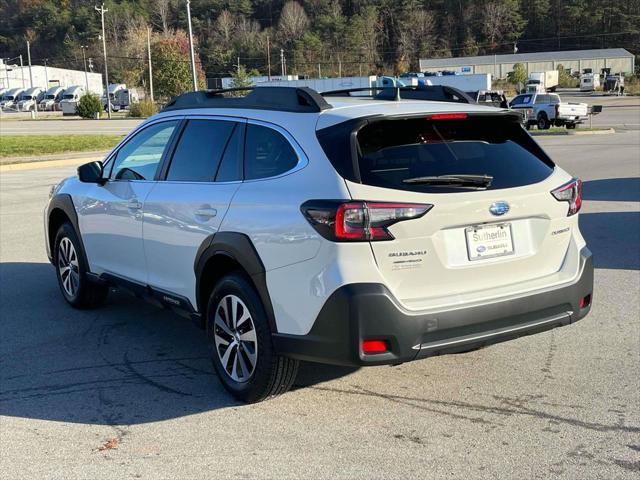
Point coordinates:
[[499, 208]]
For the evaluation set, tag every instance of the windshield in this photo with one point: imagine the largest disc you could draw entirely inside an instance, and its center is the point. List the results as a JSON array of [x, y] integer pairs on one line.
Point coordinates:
[[51, 97], [27, 97], [68, 97]]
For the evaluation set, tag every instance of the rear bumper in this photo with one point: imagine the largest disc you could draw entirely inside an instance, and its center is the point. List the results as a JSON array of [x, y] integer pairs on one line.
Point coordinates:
[[361, 311]]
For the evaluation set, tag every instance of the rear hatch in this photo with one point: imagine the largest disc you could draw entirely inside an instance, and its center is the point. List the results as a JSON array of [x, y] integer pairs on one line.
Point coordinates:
[[494, 224]]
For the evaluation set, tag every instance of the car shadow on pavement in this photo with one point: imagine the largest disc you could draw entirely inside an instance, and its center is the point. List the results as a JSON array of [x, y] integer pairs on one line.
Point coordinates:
[[612, 189], [128, 362], [613, 237]]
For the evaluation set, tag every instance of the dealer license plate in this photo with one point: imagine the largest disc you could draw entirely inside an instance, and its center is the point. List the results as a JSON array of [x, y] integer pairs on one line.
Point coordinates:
[[488, 241]]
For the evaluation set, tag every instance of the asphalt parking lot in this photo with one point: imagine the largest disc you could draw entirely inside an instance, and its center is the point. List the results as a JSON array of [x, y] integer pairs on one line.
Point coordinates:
[[127, 391]]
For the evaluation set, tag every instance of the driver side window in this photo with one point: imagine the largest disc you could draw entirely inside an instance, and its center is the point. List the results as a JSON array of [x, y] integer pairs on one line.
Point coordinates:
[[138, 159]]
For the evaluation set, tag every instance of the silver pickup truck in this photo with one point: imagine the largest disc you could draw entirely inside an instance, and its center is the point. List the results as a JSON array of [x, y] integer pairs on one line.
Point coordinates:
[[546, 109]]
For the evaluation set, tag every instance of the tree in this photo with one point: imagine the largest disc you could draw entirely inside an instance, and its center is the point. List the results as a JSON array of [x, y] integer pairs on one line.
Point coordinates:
[[518, 75], [240, 79], [88, 106], [172, 68], [293, 22]]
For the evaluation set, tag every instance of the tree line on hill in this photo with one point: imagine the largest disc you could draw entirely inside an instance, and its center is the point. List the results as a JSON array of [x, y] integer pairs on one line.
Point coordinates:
[[316, 37]]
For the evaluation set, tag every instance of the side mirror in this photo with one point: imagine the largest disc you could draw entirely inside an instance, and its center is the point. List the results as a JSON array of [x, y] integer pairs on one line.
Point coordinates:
[[91, 173]]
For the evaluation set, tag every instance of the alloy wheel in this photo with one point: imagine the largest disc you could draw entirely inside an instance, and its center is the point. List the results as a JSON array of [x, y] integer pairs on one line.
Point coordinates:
[[68, 267], [235, 338]]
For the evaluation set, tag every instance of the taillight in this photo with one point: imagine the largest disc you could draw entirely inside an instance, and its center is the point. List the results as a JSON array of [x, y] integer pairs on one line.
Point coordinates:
[[447, 116], [570, 192], [359, 221]]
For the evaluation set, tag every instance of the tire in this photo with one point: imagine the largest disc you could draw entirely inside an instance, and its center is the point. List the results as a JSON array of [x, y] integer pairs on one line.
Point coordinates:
[[571, 126], [258, 373], [71, 270], [543, 122]]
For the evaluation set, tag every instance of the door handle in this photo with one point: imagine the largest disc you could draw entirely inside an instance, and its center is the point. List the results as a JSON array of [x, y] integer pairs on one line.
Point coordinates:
[[134, 205], [206, 212]]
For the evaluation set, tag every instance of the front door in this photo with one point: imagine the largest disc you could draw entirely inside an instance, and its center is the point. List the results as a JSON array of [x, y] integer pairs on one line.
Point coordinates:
[[190, 201], [110, 215]]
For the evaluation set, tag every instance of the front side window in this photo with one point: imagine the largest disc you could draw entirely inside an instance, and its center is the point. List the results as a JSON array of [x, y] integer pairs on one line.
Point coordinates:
[[199, 150], [267, 153], [138, 159]]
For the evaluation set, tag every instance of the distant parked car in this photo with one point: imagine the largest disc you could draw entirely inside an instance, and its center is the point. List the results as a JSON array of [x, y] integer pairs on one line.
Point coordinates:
[[546, 109]]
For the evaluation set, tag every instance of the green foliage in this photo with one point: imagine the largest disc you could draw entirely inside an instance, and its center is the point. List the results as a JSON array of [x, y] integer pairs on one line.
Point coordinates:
[[172, 67], [518, 74], [565, 80], [88, 105], [240, 80], [143, 108]]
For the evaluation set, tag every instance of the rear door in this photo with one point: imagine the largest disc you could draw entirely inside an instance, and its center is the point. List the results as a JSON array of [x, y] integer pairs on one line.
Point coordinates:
[[191, 199], [474, 239]]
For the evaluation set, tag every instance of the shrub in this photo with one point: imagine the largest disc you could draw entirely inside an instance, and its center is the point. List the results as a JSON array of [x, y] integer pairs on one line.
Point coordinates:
[[143, 108], [88, 106]]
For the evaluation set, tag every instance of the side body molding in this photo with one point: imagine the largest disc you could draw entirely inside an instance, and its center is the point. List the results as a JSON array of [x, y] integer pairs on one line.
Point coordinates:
[[238, 247]]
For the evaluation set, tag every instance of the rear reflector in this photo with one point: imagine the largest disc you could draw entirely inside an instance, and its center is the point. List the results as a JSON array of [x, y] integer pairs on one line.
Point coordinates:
[[585, 301], [447, 116], [374, 346]]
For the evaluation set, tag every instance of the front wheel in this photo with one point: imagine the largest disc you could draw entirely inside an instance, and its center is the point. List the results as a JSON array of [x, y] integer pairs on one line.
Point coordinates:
[[240, 341], [71, 269]]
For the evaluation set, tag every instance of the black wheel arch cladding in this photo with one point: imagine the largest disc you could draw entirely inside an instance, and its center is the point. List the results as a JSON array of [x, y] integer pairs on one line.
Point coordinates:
[[239, 248], [64, 203]]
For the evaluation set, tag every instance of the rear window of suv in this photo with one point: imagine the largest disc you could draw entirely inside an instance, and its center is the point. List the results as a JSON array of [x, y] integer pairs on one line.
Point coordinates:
[[390, 152]]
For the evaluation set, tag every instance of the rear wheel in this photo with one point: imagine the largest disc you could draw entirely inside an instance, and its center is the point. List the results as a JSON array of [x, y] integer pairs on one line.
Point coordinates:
[[543, 122], [240, 341], [571, 125], [77, 289]]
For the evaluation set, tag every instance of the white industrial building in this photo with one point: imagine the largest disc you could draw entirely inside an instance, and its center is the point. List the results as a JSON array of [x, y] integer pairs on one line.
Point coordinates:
[[618, 60], [14, 76]]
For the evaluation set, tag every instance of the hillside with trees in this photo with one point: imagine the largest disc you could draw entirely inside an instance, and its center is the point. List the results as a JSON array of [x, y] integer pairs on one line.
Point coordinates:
[[317, 37]]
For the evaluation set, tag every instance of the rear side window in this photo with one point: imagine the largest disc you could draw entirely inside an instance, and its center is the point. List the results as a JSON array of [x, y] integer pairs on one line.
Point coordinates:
[[199, 150], [267, 153], [522, 100], [395, 153]]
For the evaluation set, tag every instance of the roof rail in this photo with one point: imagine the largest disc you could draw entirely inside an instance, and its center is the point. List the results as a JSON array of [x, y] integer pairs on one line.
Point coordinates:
[[283, 99], [438, 93]]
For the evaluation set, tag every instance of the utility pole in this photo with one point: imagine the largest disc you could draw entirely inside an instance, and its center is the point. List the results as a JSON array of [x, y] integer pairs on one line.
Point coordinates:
[[6, 71], [284, 59], [22, 70], [282, 62], [268, 59], [46, 74], [102, 11], [193, 58], [84, 61], [238, 65], [319, 72], [150, 69], [29, 60]]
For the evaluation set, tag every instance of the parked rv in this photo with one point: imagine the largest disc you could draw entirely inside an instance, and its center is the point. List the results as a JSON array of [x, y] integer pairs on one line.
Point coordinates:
[[589, 81], [51, 99], [29, 99], [10, 98], [120, 97], [70, 99], [542, 82]]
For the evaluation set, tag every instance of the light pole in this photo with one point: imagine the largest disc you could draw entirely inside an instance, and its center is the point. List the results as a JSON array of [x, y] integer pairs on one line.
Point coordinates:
[[193, 58], [150, 68], [102, 11], [22, 71], [29, 60], [84, 61]]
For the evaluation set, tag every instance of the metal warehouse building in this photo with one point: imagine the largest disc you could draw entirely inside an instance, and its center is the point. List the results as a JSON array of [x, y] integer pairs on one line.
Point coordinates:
[[14, 76], [618, 59]]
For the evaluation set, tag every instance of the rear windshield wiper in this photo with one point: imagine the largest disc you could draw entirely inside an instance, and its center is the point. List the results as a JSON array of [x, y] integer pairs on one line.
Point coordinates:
[[461, 180]]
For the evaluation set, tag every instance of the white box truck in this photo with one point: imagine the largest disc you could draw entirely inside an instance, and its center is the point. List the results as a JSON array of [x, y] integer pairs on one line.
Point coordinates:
[[542, 82]]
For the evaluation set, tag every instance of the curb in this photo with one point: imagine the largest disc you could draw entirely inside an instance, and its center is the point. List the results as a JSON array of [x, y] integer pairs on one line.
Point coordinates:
[[32, 165], [607, 131]]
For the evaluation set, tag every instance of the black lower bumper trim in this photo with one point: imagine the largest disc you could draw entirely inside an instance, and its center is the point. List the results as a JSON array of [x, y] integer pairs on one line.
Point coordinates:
[[357, 312]]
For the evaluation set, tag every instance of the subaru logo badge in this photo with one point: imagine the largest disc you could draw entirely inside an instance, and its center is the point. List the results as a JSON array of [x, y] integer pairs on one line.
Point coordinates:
[[499, 208]]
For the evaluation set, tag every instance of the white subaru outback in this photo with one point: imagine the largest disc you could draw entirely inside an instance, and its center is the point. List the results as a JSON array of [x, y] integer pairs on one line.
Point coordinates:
[[341, 229]]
